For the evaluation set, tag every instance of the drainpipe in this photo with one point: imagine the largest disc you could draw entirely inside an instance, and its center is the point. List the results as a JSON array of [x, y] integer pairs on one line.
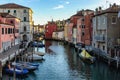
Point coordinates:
[[14, 34]]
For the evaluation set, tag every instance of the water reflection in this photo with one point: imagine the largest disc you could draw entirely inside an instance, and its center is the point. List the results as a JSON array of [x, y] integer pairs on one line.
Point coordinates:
[[63, 63]]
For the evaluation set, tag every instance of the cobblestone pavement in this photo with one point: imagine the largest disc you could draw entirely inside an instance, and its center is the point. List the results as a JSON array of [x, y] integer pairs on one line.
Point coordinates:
[[9, 52]]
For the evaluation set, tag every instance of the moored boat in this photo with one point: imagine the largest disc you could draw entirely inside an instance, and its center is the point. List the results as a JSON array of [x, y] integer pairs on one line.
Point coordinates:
[[85, 56], [40, 53], [25, 66], [13, 69], [29, 63], [18, 72], [35, 57]]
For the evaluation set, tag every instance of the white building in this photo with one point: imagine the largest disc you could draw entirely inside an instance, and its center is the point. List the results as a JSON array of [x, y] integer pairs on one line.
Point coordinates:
[[25, 15]]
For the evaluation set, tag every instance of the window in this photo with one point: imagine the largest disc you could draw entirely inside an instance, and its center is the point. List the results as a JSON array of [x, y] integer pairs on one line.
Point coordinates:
[[99, 21], [82, 19], [24, 11], [17, 30], [94, 44], [8, 11], [113, 19], [24, 18], [8, 30], [103, 47], [104, 20], [5, 30], [13, 30], [11, 22], [14, 11], [83, 26], [83, 33], [98, 46], [25, 28], [2, 30]]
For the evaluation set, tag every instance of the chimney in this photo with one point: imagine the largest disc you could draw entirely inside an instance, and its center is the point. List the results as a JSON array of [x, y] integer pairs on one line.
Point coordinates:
[[110, 5], [100, 9], [96, 11]]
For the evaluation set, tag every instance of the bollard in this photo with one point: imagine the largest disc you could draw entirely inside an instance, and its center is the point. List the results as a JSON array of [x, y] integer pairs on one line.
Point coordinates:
[[0, 70]]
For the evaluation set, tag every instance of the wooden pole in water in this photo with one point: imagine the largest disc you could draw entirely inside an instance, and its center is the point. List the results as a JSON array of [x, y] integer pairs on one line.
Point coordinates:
[[117, 59], [9, 58], [0, 70], [14, 75], [109, 56]]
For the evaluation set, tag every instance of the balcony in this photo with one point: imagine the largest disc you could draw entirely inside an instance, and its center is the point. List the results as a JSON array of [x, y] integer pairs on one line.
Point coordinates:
[[24, 32], [100, 38]]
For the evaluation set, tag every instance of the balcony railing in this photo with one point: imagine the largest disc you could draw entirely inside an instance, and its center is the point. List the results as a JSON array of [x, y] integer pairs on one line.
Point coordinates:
[[100, 38], [24, 32]]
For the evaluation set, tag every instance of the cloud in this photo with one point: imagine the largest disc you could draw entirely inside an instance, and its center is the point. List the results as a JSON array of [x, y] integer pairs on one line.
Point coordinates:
[[58, 7], [67, 2]]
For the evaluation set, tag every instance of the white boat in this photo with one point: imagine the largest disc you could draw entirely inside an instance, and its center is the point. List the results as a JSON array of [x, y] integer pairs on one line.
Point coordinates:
[[35, 57], [40, 53]]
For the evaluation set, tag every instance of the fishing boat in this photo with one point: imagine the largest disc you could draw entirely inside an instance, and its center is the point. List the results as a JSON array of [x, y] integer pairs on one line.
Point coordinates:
[[85, 56]]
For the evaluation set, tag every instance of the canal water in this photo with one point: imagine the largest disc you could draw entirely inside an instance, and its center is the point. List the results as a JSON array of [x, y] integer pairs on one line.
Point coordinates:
[[61, 62]]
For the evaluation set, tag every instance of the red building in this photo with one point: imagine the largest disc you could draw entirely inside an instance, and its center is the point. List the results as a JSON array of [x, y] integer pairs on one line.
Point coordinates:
[[84, 27], [49, 29]]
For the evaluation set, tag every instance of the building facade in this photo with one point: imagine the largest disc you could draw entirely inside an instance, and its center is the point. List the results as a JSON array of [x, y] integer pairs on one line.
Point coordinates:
[[106, 28], [66, 27], [49, 29], [9, 31], [25, 15], [84, 27]]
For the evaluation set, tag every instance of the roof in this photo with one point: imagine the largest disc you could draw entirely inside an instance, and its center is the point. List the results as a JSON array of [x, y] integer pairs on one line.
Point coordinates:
[[7, 15], [112, 9], [12, 5], [79, 13]]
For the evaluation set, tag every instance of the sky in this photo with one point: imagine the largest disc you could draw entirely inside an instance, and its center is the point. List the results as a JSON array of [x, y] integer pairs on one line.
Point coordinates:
[[46, 10]]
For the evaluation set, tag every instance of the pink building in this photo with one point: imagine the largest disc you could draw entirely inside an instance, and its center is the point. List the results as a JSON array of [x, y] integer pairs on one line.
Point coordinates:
[[9, 28]]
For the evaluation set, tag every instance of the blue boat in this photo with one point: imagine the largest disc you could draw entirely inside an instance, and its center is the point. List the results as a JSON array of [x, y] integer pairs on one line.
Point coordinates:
[[25, 66], [18, 72], [29, 63], [13, 69]]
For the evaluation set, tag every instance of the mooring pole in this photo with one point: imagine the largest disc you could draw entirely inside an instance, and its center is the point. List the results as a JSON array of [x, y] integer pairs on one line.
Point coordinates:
[[117, 59], [109, 56], [0, 70], [14, 75]]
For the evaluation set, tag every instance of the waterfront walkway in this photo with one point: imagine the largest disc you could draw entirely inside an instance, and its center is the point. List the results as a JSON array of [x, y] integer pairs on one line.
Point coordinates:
[[9, 54]]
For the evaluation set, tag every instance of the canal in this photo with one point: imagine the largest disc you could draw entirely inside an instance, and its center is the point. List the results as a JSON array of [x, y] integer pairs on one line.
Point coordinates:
[[61, 62]]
